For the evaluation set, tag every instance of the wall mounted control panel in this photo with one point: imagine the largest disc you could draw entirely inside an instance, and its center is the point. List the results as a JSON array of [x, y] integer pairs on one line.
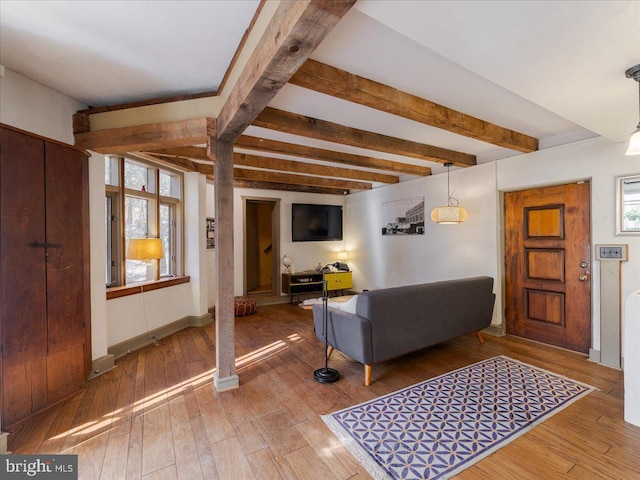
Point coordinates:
[[612, 252]]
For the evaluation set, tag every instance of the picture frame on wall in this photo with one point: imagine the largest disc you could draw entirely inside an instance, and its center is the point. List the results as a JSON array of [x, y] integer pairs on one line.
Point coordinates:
[[403, 217], [211, 233]]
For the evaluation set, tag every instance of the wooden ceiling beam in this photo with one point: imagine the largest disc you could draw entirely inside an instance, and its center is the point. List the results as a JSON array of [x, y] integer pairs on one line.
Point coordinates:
[[286, 187], [269, 163], [279, 177], [332, 81], [179, 163], [146, 137], [309, 127], [303, 151], [195, 153], [294, 32], [288, 178]]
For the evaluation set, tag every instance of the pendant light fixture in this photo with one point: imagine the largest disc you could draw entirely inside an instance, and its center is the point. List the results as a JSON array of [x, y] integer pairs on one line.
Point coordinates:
[[634, 141], [452, 212]]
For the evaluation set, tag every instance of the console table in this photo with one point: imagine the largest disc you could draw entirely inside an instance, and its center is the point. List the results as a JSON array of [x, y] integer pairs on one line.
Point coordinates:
[[313, 282]]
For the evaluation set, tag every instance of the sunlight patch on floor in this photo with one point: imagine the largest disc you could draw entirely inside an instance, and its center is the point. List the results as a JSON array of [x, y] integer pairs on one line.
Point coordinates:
[[243, 362]]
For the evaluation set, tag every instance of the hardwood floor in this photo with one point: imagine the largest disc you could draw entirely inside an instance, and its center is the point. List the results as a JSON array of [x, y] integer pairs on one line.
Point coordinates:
[[157, 415]]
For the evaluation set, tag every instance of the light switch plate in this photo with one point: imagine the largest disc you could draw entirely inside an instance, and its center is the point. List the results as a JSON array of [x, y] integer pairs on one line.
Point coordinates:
[[617, 252]]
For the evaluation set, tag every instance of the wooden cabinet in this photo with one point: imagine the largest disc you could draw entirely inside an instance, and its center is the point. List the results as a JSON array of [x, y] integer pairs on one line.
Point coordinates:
[[313, 282], [338, 280], [303, 282], [44, 283]]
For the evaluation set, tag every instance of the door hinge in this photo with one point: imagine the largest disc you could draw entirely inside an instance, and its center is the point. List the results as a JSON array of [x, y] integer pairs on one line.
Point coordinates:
[[1, 348], [114, 218]]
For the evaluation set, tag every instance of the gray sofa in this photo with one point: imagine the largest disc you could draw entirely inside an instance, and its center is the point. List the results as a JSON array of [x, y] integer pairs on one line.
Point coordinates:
[[395, 321]]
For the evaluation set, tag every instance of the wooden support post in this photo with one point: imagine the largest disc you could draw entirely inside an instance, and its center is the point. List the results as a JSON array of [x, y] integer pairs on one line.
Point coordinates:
[[225, 376], [479, 335]]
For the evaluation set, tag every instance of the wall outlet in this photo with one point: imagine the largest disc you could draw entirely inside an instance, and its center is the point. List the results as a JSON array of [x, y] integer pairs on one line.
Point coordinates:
[[611, 252]]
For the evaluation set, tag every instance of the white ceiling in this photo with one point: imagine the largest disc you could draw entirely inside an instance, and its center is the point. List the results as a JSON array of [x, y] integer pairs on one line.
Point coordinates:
[[550, 69]]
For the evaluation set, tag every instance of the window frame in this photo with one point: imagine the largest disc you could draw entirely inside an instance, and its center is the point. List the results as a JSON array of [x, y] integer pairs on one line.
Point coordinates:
[[116, 193]]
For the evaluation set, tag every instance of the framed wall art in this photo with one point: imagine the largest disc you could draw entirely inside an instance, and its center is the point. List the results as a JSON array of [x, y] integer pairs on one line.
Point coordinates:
[[211, 233]]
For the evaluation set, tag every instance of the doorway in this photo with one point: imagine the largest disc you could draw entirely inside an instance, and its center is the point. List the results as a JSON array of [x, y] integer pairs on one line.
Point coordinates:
[[548, 265], [261, 246]]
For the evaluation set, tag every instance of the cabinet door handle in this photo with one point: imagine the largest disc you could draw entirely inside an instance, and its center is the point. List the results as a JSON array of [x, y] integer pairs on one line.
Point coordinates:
[[44, 245]]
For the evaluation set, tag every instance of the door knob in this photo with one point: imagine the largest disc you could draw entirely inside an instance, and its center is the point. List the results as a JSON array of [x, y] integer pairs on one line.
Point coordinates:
[[582, 278]]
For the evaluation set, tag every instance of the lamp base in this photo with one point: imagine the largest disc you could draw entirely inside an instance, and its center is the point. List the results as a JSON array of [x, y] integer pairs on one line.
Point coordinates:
[[326, 375]]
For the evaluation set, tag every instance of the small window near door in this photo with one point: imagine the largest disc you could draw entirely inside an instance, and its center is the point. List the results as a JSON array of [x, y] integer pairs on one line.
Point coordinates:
[[628, 205]]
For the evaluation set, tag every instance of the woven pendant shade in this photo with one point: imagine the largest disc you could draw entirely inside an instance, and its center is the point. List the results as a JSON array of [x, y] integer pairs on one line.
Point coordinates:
[[451, 213], [448, 214]]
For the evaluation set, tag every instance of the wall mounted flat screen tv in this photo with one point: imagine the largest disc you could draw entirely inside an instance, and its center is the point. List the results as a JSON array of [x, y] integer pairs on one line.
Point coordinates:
[[316, 223]]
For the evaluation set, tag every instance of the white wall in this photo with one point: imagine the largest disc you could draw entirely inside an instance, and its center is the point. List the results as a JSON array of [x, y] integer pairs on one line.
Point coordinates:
[[444, 251], [473, 248], [304, 255], [33, 107], [133, 315]]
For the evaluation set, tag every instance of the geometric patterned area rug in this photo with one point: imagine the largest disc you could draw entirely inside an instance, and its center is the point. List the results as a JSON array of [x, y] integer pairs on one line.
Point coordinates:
[[439, 427]]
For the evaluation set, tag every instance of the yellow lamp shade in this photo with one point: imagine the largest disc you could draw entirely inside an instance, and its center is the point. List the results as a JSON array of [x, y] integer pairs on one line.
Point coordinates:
[[144, 249], [343, 256]]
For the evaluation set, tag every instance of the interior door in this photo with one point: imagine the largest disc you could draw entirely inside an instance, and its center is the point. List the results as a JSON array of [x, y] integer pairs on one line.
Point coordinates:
[[548, 264]]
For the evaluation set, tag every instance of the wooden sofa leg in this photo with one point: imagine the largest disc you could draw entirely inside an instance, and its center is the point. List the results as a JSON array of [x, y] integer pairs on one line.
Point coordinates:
[[367, 375], [329, 351], [479, 335]]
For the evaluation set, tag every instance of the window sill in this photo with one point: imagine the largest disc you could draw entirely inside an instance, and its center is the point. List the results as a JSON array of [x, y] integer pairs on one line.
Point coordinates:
[[117, 292]]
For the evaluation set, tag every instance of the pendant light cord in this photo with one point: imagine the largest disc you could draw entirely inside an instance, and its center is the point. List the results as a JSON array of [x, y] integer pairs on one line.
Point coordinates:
[[450, 198]]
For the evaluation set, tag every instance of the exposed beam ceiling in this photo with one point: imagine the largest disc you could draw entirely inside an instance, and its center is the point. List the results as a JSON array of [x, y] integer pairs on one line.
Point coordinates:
[[472, 93], [332, 81], [279, 177], [337, 185], [286, 187], [296, 124], [274, 146], [268, 163]]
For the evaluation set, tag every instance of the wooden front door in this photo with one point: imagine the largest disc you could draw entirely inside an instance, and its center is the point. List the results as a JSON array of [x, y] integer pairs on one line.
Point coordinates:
[[548, 265]]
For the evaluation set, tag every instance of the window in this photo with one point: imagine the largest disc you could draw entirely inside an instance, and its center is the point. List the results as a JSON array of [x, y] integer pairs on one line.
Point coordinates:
[[150, 203], [628, 204]]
